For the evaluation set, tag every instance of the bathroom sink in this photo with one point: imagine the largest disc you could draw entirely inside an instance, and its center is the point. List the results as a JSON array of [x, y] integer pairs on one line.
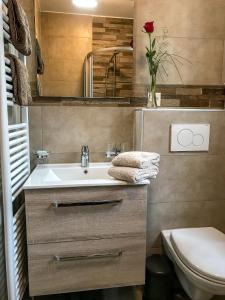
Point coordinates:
[[72, 175]]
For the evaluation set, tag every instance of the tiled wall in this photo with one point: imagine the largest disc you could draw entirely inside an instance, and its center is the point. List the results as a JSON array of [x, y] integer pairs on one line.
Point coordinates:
[[189, 190], [66, 40], [195, 30], [192, 96], [112, 32], [63, 130]]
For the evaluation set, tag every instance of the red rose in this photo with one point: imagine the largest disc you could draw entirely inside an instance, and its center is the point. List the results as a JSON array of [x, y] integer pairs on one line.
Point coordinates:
[[149, 27]]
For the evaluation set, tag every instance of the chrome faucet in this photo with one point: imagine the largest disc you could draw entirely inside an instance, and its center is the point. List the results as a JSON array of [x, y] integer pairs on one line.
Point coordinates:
[[84, 156]]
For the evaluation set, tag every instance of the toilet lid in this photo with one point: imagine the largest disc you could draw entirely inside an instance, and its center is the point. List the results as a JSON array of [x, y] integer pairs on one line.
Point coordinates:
[[202, 250]]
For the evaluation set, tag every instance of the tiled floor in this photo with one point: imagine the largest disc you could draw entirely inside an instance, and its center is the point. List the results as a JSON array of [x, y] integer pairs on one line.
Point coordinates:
[[111, 294]]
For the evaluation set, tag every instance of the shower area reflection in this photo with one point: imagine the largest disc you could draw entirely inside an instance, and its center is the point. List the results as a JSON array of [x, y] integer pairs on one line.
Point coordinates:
[[108, 72]]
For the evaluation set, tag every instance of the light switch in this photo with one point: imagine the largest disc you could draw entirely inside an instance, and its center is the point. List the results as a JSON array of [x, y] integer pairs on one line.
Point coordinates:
[[189, 137]]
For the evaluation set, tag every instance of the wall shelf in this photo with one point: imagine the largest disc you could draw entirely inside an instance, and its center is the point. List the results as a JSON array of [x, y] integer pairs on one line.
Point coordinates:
[[172, 96], [76, 101]]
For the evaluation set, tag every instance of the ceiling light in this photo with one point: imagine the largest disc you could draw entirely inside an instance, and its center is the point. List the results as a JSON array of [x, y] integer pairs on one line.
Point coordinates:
[[85, 3]]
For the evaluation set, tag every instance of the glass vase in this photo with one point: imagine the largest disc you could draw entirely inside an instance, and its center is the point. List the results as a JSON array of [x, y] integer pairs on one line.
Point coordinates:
[[152, 99]]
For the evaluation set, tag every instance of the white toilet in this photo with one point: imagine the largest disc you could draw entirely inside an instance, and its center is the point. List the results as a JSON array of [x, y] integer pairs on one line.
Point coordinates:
[[198, 255]]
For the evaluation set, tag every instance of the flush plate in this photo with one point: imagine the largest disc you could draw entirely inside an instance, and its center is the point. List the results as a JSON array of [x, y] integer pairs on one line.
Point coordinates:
[[189, 137]]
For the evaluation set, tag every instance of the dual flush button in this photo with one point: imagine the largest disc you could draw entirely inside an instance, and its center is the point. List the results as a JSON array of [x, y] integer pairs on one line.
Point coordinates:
[[190, 137]]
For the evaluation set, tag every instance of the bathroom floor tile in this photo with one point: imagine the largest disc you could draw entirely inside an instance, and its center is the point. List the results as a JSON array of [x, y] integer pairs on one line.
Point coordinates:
[[109, 294]]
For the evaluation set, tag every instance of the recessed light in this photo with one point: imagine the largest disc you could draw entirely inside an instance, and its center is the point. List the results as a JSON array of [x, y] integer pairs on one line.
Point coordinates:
[[85, 3]]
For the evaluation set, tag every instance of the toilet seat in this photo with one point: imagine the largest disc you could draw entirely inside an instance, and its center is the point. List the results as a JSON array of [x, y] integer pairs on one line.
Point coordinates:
[[202, 250]]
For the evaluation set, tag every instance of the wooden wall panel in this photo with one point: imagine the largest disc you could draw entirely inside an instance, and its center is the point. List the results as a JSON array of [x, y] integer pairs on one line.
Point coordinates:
[[112, 32]]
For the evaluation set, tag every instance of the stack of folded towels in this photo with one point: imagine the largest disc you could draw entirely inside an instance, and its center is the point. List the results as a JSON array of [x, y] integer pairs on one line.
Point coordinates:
[[135, 166]]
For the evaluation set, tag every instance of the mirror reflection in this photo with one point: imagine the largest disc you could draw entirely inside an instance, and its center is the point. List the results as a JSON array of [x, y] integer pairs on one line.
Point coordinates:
[[85, 47]]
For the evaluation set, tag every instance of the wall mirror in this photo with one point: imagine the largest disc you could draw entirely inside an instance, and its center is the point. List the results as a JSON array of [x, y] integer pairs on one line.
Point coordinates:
[[86, 47], [90, 58]]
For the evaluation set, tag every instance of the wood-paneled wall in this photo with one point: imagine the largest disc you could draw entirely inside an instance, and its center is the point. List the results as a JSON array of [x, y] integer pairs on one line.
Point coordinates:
[[112, 32]]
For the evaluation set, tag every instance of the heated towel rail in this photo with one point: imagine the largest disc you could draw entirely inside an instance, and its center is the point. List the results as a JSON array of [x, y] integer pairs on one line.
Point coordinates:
[[15, 166]]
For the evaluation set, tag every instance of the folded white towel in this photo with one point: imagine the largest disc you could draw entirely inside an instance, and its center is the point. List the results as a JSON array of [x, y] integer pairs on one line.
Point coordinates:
[[137, 159], [153, 174], [133, 175]]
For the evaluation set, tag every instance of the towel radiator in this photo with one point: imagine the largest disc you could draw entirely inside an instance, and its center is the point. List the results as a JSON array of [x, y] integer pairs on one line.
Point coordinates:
[[15, 161]]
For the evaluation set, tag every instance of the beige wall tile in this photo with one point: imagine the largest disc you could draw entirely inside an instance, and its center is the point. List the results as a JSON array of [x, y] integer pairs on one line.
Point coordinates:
[[202, 64], [62, 88], [56, 24], [182, 18], [63, 158], [66, 47], [163, 216], [63, 70], [35, 127], [189, 178], [157, 128], [63, 130], [66, 40], [67, 128]]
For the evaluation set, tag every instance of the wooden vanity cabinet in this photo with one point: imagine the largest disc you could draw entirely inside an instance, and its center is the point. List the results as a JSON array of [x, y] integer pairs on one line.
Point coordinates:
[[85, 238]]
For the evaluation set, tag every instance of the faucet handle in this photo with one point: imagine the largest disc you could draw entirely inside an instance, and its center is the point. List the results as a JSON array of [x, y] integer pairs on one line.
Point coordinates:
[[112, 151], [85, 149]]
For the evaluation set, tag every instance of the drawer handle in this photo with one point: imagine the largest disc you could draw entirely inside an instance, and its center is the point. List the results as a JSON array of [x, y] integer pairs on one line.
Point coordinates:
[[87, 203], [112, 254]]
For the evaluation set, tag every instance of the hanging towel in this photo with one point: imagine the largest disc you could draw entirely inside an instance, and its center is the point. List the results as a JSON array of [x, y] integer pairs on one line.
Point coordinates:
[[19, 28], [21, 83], [136, 159], [39, 60], [132, 175]]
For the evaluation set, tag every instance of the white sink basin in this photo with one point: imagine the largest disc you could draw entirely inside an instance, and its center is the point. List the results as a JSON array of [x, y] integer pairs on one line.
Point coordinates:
[[71, 175]]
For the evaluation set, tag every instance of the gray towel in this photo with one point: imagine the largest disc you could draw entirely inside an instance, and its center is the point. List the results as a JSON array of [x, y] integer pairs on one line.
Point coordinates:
[[19, 28], [39, 59], [21, 85]]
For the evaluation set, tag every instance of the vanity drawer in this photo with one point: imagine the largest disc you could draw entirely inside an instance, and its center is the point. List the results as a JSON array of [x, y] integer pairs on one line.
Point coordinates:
[[83, 213], [86, 265]]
